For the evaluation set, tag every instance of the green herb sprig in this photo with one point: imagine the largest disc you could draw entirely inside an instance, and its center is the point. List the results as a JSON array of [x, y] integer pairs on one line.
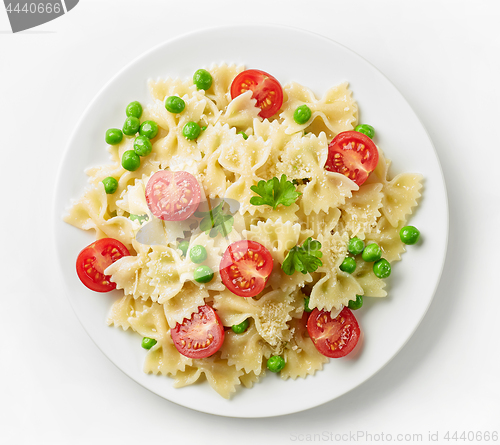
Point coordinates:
[[274, 192], [216, 221], [303, 259]]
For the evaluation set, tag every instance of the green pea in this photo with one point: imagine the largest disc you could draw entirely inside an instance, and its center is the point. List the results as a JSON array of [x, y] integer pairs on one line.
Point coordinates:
[[306, 305], [202, 79], [409, 235], [348, 265], [355, 304], [142, 146], [302, 114], [203, 274], [149, 129], [131, 160], [175, 104], [366, 129], [134, 109], [372, 253], [355, 246], [240, 328], [245, 136], [382, 268], [131, 126], [113, 136], [198, 254], [183, 245], [191, 130], [110, 185], [276, 363], [203, 128], [148, 343]]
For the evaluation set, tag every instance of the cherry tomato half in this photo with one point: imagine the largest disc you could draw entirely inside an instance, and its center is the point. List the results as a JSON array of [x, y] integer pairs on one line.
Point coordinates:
[[245, 268], [200, 336], [173, 196], [93, 261], [353, 154], [266, 90], [333, 337]]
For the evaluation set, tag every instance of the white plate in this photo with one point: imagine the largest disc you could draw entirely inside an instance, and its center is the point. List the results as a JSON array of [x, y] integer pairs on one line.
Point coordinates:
[[318, 63]]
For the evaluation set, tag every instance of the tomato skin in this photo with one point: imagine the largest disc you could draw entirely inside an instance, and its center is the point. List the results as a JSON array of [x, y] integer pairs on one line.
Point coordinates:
[[246, 267], [266, 90], [173, 196], [93, 261], [341, 333], [200, 336], [352, 154]]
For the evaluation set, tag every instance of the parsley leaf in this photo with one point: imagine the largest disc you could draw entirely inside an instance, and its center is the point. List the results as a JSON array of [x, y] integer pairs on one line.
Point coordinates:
[[216, 221], [274, 192], [303, 259]]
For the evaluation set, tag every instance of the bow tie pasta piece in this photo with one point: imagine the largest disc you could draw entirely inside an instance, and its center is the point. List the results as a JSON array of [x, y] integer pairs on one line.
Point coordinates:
[[214, 255], [163, 358], [336, 288], [371, 284], [287, 283], [174, 150], [320, 222], [244, 157], [124, 177], [387, 237], [90, 212], [334, 113], [148, 320], [304, 158], [274, 133], [245, 351], [248, 380], [163, 269], [241, 112], [220, 90], [263, 213], [210, 144], [361, 213], [160, 89], [184, 304], [130, 273], [276, 236], [133, 198], [400, 194], [125, 308], [301, 356], [222, 378], [240, 191], [270, 313], [325, 192]]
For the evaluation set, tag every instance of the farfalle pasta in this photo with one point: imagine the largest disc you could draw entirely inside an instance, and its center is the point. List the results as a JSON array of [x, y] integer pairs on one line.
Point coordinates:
[[234, 155]]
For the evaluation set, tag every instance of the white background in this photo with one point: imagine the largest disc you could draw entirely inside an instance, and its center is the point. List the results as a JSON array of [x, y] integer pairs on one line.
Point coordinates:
[[58, 388]]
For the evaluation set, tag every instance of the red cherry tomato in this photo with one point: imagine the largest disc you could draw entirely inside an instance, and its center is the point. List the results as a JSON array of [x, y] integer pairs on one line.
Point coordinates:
[[245, 268], [353, 154], [333, 337], [93, 261], [266, 90], [200, 336], [173, 196]]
